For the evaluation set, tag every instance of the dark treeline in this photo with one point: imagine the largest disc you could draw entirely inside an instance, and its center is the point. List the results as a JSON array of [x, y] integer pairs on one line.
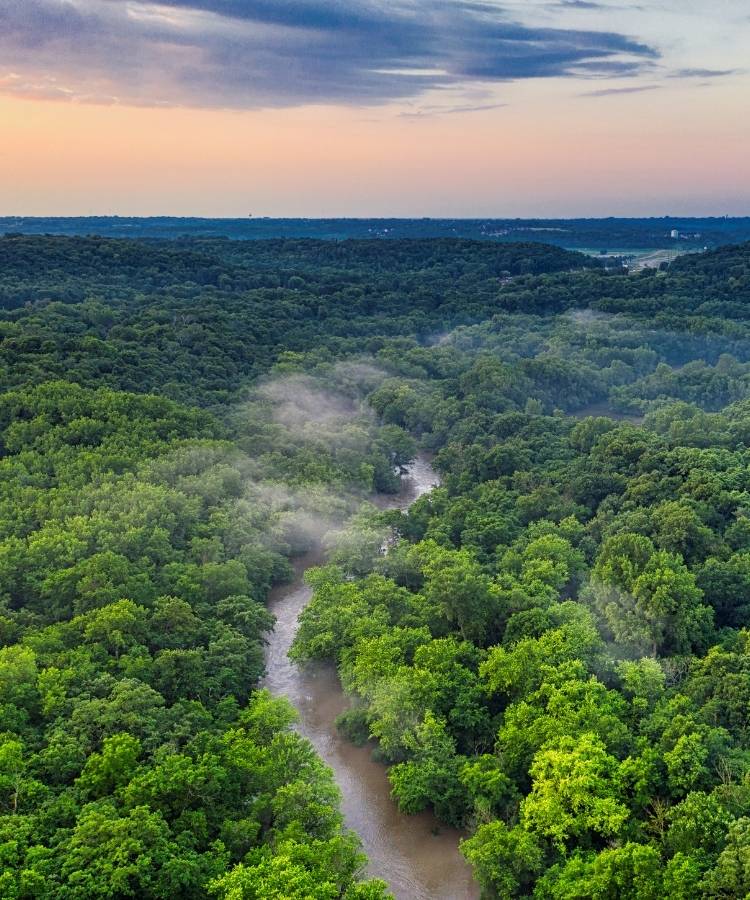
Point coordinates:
[[555, 653], [601, 234]]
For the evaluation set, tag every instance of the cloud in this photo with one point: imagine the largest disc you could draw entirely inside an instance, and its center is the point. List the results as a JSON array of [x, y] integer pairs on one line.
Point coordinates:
[[261, 53], [581, 4], [703, 73], [426, 111], [614, 91]]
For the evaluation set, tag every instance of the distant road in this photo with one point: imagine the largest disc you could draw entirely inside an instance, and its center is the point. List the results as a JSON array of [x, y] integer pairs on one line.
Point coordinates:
[[654, 259]]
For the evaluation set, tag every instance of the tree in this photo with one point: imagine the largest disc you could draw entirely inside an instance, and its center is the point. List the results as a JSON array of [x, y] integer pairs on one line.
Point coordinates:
[[492, 793], [680, 531], [574, 793], [726, 585], [566, 704], [519, 669], [18, 789], [110, 769], [630, 872], [457, 586], [432, 774], [698, 823], [648, 598], [117, 626], [319, 870], [109, 855], [731, 875], [505, 860]]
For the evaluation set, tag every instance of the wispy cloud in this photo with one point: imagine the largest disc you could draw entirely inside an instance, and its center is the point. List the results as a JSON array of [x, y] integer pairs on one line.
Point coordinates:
[[260, 53], [614, 91], [429, 111], [580, 4], [703, 73]]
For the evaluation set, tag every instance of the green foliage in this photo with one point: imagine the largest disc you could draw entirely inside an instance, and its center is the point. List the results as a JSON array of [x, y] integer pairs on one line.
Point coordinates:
[[631, 872], [648, 598], [596, 742], [134, 746], [505, 859], [573, 793], [552, 653]]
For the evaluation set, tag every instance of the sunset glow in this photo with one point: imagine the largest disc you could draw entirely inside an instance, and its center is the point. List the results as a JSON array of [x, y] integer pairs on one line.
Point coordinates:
[[657, 123]]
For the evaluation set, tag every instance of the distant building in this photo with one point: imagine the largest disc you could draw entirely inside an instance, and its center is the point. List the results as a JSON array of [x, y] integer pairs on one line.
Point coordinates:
[[674, 233]]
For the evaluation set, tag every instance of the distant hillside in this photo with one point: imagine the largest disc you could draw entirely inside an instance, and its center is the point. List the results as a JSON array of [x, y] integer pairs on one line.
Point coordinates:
[[611, 234], [728, 266], [196, 319]]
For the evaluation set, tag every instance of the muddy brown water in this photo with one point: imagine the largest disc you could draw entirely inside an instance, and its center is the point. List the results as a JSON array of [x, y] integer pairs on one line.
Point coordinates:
[[415, 855]]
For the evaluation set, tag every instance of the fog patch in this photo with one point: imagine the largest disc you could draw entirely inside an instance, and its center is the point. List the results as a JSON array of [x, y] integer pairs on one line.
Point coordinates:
[[363, 375], [298, 403], [590, 316], [309, 445]]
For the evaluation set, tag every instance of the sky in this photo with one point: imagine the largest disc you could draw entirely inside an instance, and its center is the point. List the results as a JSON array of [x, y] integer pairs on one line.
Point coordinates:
[[375, 107]]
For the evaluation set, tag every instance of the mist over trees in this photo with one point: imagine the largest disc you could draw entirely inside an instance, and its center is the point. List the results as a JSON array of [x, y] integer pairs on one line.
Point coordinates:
[[553, 655]]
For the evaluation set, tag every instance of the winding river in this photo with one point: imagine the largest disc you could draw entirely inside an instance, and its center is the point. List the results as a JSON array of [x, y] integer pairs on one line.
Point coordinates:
[[417, 857]]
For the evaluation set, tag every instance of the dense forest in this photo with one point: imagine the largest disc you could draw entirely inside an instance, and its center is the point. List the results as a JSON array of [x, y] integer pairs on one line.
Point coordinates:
[[554, 653]]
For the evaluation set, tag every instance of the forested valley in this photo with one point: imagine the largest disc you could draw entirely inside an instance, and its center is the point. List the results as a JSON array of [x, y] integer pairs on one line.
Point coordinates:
[[553, 654]]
